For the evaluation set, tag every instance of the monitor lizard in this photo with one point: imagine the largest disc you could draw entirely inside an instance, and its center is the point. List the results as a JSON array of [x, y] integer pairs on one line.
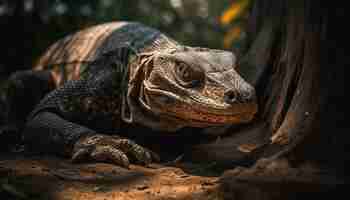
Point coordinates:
[[87, 86]]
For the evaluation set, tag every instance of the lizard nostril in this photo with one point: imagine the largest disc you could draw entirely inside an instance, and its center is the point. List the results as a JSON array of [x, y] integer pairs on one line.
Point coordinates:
[[246, 96], [230, 96]]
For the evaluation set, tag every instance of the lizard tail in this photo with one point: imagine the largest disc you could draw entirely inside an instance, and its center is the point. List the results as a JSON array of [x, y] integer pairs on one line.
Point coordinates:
[[18, 96], [9, 134]]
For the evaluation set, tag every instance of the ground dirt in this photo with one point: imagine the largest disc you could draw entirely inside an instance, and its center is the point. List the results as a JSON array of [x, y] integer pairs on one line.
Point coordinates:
[[39, 178], [54, 178]]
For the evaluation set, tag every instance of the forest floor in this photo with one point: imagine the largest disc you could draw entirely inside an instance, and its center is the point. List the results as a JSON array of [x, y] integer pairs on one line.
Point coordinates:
[[54, 178], [39, 178]]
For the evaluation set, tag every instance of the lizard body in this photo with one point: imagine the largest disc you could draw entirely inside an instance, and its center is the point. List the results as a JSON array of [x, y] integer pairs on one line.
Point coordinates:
[[126, 73]]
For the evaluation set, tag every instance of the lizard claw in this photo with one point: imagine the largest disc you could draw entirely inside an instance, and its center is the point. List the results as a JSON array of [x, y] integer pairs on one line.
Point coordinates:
[[80, 155], [112, 149]]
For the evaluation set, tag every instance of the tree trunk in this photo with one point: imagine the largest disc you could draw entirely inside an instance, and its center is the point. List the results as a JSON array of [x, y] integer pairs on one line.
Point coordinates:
[[290, 41]]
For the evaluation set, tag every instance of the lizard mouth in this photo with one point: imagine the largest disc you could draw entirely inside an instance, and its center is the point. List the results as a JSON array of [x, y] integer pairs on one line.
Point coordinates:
[[201, 123], [190, 111], [197, 118]]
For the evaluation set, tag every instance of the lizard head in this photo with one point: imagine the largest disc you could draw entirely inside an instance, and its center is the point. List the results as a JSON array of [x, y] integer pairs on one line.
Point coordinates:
[[194, 87]]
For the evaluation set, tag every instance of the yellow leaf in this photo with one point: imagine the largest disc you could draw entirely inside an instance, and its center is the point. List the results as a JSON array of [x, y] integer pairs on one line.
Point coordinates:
[[231, 36], [234, 11]]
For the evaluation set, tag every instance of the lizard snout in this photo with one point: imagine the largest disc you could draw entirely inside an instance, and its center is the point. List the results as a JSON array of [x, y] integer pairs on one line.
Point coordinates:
[[233, 96]]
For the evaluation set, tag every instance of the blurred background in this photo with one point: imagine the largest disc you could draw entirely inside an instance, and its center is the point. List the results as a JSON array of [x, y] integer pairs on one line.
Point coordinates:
[[28, 27]]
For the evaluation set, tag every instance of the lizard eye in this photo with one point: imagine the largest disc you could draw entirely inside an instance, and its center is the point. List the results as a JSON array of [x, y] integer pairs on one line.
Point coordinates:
[[188, 76]]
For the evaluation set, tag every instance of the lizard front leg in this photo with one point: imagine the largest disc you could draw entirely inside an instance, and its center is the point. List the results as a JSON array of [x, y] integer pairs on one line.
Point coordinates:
[[70, 119], [49, 133]]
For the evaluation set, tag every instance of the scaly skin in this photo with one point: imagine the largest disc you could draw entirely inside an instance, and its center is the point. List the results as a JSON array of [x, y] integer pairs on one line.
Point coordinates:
[[220, 95], [167, 86]]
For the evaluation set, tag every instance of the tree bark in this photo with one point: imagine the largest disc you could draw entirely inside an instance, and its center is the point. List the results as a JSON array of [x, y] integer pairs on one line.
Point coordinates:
[[290, 41]]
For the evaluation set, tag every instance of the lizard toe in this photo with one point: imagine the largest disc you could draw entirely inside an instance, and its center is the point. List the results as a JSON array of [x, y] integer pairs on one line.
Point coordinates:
[[138, 153], [110, 154]]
